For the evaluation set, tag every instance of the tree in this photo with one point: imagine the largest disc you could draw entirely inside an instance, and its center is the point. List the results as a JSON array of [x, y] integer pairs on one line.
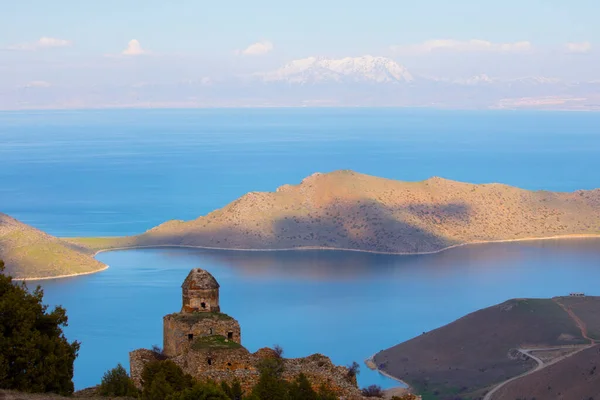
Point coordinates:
[[35, 356], [161, 379], [117, 383], [202, 391], [270, 386], [233, 392], [301, 389]]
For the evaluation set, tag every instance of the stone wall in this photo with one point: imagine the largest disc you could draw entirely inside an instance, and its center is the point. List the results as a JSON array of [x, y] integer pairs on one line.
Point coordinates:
[[181, 329], [199, 300], [229, 365], [200, 362], [137, 360]]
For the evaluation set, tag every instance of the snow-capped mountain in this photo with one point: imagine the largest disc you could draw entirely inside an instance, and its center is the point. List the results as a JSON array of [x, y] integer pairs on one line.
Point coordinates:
[[349, 69]]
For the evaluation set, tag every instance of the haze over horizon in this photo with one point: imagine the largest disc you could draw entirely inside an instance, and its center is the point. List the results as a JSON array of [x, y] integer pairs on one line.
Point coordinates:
[[66, 54]]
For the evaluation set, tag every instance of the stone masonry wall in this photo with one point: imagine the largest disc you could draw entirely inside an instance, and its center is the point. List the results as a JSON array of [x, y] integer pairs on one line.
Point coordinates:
[[200, 300], [178, 327], [228, 365], [137, 360]]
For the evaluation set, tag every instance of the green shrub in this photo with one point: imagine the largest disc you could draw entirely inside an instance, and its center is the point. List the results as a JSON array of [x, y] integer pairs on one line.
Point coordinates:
[[161, 379], [372, 391], [233, 392], [301, 389], [202, 391], [35, 356], [117, 383]]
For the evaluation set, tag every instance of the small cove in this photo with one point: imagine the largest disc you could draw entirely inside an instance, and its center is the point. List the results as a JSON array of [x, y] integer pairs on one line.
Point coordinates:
[[347, 305]]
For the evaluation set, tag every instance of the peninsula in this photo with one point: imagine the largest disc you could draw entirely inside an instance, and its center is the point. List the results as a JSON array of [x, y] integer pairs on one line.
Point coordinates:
[[352, 211], [520, 349], [32, 254]]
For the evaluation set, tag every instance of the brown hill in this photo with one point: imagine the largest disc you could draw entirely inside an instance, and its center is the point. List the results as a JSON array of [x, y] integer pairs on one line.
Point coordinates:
[[468, 356], [348, 210], [31, 253], [576, 377]]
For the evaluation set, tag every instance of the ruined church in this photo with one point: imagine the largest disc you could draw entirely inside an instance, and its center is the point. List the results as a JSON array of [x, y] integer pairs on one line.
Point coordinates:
[[207, 344]]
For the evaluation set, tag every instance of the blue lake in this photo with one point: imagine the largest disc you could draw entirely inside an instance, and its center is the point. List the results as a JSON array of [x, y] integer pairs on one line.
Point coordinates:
[[95, 173]]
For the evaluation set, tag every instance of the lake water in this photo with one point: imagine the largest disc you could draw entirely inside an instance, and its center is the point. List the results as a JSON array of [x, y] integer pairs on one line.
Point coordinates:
[[94, 173]]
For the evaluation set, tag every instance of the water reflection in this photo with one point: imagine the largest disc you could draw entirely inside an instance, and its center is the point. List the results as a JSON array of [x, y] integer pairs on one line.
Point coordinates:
[[347, 305], [333, 265]]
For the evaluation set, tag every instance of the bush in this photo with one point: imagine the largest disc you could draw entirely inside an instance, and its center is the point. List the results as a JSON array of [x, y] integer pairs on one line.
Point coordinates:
[[301, 389], [158, 352], [35, 356], [117, 383], [353, 369], [278, 351], [161, 379], [372, 391], [234, 392], [201, 391]]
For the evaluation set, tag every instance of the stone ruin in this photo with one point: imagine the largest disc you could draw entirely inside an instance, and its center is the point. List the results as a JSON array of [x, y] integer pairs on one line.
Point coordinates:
[[207, 344]]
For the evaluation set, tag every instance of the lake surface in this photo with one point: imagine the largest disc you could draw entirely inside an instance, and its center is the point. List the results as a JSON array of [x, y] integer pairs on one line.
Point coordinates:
[[97, 173]]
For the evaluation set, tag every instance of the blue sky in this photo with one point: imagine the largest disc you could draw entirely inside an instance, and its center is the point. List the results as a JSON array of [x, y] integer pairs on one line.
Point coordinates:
[[127, 42], [331, 27]]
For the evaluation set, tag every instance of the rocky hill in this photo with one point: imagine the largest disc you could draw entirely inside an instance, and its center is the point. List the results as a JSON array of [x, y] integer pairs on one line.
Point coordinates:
[[348, 210], [31, 253]]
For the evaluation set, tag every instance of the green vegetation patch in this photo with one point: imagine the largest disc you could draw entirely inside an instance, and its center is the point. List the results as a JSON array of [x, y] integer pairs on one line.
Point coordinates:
[[102, 243], [214, 342], [192, 318]]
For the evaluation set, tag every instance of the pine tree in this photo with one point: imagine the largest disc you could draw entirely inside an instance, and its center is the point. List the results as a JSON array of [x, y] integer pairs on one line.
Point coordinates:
[[35, 356]]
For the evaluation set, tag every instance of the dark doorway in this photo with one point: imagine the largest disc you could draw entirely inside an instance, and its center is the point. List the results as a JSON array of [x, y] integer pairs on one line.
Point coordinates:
[[230, 335], [190, 336], [209, 361], [203, 305]]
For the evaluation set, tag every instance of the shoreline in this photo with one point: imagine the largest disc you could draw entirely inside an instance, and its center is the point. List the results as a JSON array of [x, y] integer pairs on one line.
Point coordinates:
[[308, 248], [46, 278], [370, 363]]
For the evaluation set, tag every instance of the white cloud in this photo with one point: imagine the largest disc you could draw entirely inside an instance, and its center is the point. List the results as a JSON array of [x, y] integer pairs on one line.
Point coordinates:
[[580, 48], [134, 48], [42, 43], [473, 45], [258, 48], [38, 84]]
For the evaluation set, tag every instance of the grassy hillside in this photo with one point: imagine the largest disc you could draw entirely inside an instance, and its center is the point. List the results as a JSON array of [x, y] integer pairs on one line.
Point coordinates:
[[478, 350], [348, 210], [31, 253]]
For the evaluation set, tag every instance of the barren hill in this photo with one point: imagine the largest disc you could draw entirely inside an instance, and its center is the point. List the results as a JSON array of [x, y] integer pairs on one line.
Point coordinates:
[[471, 356], [576, 377], [31, 253], [348, 210], [477, 350]]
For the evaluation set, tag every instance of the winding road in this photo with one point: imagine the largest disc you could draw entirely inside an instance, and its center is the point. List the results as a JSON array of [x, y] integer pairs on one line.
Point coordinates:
[[582, 327]]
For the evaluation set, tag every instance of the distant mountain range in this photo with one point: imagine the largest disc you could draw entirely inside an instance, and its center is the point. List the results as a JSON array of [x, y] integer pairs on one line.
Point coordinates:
[[377, 70], [365, 81]]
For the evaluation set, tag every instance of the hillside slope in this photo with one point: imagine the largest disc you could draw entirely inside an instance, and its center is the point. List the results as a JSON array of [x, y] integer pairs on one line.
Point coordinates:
[[478, 351], [348, 210], [31, 253], [576, 377]]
